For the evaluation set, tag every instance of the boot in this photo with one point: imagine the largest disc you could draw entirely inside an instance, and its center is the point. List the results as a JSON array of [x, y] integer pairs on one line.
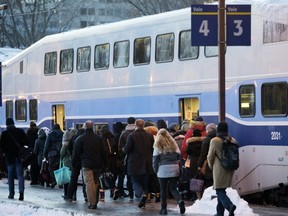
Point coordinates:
[[112, 192], [182, 207], [157, 197], [102, 196], [21, 196], [163, 210], [148, 197]]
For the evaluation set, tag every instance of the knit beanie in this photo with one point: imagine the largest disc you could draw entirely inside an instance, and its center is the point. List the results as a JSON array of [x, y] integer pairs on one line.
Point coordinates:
[[198, 118], [9, 121], [222, 128]]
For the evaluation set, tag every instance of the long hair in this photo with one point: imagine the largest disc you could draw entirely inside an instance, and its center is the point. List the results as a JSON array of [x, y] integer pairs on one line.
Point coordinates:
[[164, 142]]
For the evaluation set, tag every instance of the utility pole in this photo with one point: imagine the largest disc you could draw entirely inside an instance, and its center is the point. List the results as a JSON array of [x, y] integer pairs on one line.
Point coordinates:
[[221, 52]]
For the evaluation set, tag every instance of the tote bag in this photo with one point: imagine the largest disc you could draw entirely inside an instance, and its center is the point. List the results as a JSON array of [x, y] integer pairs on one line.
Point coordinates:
[[196, 183], [62, 175]]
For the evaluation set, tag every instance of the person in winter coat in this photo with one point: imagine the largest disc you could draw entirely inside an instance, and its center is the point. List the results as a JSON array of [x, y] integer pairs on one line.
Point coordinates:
[[39, 149], [8, 143], [154, 186], [222, 177], [166, 156], [93, 154], [76, 168], [139, 148], [202, 162], [52, 148], [34, 168], [112, 147], [193, 150], [121, 143], [118, 128], [197, 124], [66, 157]]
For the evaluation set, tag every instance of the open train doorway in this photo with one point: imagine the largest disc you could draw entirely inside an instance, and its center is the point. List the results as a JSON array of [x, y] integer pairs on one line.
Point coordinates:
[[58, 115], [189, 108]]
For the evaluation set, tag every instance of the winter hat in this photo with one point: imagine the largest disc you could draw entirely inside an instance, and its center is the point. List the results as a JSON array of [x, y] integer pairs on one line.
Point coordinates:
[[32, 124], [198, 118], [197, 133], [9, 121], [161, 124], [222, 128], [210, 128]]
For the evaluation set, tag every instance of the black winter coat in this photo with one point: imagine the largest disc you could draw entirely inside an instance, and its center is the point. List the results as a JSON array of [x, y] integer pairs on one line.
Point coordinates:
[[53, 143], [139, 150], [90, 150], [7, 144]]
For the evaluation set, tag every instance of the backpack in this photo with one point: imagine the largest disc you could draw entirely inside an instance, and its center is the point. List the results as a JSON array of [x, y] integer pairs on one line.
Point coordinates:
[[230, 154]]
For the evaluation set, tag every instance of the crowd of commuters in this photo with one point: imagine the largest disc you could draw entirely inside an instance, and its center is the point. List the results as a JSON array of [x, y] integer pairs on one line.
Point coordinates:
[[145, 153]]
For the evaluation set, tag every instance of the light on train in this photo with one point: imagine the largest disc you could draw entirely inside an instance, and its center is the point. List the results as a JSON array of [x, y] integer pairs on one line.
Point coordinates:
[[244, 105]]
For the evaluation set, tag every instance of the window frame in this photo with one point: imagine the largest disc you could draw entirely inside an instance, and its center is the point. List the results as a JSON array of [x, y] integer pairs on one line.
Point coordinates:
[[50, 63], [142, 52], [21, 110], [170, 51], [251, 104]]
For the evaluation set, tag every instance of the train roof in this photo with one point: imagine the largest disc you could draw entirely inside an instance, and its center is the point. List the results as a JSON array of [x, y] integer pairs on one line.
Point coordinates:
[[266, 8]]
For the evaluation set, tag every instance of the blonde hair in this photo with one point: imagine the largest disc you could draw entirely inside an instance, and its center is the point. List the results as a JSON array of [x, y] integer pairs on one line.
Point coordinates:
[[164, 142]]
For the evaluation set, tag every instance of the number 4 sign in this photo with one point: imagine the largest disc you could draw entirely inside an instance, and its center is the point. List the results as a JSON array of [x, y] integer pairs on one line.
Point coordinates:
[[204, 25]]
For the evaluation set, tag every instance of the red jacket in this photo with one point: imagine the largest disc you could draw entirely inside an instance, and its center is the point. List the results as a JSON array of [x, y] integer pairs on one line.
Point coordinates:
[[200, 125]]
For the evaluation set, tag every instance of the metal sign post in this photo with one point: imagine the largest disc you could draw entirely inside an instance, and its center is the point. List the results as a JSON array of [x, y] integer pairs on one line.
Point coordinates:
[[208, 29]]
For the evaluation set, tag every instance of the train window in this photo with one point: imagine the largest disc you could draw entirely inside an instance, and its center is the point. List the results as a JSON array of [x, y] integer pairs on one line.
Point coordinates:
[[211, 51], [142, 50], [21, 67], [164, 48], [274, 32], [21, 110], [50, 63], [83, 59], [247, 100], [33, 109], [186, 51], [9, 109], [98, 126], [66, 61], [102, 56], [121, 54], [274, 99]]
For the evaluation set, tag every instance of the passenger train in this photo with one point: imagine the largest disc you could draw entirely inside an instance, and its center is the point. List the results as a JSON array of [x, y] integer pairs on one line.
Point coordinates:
[[146, 67]]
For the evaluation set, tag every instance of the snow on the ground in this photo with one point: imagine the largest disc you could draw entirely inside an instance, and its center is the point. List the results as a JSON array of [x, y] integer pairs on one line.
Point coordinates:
[[208, 206], [23, 209]]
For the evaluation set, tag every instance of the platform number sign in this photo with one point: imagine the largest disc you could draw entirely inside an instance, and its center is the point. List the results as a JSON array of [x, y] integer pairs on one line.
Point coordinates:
[[204, 25], [238, 31]]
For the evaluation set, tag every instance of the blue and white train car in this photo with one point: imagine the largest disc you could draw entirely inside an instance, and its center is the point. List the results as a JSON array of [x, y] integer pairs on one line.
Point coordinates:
[[146, 68]]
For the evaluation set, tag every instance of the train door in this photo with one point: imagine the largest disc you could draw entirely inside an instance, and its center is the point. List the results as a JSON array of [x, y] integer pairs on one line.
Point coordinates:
[[189, 108], [58, 115]]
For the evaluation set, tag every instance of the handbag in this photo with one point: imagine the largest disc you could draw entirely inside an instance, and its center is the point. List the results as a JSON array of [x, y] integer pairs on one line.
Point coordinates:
[[106, 180], [196, 184], [63, 174], [25, 154]]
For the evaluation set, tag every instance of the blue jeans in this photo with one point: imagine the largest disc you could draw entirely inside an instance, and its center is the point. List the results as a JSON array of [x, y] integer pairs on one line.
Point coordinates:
[[18, 169], [140, 184], [224, 201]]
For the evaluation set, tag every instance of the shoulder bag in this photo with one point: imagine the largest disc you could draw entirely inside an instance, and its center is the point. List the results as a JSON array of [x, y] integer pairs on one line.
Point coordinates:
[[25, 154]]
